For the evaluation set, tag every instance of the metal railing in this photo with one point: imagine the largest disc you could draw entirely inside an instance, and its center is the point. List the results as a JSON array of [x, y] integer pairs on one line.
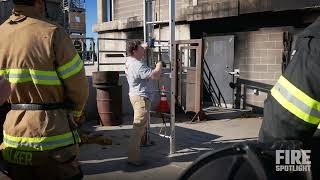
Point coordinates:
[[112, 51], [78, 4], [88, 56], [242, 86], [213, 89]]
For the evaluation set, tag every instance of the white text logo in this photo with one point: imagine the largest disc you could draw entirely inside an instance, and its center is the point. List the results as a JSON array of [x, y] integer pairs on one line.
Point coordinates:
[[293, 160]]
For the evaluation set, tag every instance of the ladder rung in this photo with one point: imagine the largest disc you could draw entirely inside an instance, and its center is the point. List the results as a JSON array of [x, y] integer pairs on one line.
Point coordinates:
[[163, 91], [159, 134], [161, 45], [158, 22]]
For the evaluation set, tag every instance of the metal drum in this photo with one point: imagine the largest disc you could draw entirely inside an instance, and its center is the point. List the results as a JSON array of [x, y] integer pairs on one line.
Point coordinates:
[[109, 103], [105, 78]]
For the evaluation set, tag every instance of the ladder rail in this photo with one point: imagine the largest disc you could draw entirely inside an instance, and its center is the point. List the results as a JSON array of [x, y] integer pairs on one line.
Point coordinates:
[[148, 26]]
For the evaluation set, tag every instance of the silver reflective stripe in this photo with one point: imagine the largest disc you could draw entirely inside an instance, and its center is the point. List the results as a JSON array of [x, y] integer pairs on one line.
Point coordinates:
[[33, 76], [17, 76], [299, 104], [40, 77], [71, 68]]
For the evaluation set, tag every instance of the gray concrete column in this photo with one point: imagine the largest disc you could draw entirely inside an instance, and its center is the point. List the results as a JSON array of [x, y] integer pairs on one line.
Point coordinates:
[[101, 10]]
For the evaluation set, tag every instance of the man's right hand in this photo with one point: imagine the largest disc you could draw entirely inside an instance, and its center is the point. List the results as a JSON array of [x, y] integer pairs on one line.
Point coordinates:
[[159, 63], [156, 73], [5, 90]]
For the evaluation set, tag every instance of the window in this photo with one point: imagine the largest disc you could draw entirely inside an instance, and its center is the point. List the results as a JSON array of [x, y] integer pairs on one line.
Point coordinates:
[[77, 18], [109, 10]]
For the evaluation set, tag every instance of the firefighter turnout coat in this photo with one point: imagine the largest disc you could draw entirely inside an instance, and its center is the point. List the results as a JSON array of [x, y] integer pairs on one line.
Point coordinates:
[[292, 109], [39, 60]]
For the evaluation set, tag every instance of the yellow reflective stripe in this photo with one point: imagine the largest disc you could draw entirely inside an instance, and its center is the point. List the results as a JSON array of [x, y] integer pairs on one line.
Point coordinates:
[[294, 109], [71, 68], [31, 75], [40, 143], [69, 64], [39, 148], [299, 94], [77, 113]]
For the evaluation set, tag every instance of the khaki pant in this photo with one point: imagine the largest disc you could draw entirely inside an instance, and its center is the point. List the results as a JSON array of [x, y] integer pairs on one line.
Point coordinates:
[[141, 108]]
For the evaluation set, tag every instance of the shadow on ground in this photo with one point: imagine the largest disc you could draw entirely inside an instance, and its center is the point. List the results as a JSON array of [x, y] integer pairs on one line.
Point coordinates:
[[190, 144]]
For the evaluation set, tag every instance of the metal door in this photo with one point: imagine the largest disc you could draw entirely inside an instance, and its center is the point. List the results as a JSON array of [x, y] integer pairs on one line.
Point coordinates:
[[189, 67], [219, 55]]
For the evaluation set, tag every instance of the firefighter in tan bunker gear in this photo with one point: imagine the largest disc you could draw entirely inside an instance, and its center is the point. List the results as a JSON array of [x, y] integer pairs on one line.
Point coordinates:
[[49, 91]]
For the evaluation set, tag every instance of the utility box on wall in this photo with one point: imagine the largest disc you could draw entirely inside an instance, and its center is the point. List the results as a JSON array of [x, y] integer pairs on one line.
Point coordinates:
[[77, 22]]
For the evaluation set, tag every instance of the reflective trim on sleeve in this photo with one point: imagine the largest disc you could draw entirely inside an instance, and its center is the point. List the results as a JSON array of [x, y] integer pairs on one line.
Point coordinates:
[[71, 68], [296, 101], [40, 143], [77, 113], [31, 75]]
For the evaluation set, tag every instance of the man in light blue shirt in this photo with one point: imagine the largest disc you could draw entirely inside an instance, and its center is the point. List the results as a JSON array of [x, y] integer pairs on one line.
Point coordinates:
[[139, 77]]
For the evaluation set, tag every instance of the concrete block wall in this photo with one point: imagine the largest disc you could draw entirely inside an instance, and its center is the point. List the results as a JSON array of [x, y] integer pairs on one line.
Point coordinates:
[[129, 14], [127, 8], [208, 9], [258, 55], [133, 8]]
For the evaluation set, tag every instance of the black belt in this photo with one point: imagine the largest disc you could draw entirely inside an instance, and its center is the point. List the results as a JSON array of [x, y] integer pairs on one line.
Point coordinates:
[[35, 107]]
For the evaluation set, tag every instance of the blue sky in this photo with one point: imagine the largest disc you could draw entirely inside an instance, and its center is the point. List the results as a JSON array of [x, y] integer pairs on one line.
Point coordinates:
[[91, 16]]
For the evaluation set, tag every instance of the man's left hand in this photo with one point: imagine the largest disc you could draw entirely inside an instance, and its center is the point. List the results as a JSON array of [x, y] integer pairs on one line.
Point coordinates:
[[145, 45]]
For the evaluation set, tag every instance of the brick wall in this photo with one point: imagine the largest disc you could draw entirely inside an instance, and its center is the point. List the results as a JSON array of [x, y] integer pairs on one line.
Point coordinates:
[[258, 55]]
